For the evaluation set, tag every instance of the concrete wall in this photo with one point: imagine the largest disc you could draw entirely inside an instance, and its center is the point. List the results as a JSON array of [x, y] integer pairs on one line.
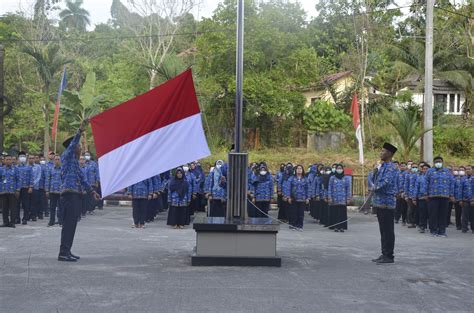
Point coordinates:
[[323, 142]]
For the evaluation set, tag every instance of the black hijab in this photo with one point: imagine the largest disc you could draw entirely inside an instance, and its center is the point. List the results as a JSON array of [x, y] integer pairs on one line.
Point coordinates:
[[326, 177], [260, 177], [179, 185], [288, 172]]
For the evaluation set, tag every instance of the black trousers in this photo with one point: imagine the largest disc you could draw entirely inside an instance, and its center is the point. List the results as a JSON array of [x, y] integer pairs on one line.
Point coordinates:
[[139, 211], [467, 216], [98, 203], [458, 214], [411, 212], [401, 210], [282, 208], [295, 213], [449, 212], [54, 203], [9, 206], [218, 208], [72, 203], [437, 210], [25, 202], [263, 206], [423, 213], [387, 233]]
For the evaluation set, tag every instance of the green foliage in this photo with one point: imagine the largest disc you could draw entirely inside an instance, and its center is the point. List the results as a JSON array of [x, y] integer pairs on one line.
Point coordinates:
[[406, 124], [322, 117], [457, 141]]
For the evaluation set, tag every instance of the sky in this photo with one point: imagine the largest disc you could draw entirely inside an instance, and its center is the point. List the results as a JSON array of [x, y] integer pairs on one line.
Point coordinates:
[[99, 10]]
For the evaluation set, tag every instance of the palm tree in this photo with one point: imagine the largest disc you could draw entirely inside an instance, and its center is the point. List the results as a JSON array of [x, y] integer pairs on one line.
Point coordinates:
[[75, 17], [407, 127], [48, 61], [79, 106]]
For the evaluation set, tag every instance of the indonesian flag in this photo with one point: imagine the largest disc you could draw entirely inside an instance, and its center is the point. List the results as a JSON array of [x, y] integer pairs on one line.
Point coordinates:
[[150, 134], [356, 123], [62, 86]]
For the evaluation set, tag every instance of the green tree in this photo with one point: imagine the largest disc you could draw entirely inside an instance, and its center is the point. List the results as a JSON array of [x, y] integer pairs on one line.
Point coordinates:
[[74, 16]]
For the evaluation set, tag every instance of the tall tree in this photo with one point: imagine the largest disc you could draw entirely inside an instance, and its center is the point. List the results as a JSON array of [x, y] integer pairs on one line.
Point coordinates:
[[74, 16]]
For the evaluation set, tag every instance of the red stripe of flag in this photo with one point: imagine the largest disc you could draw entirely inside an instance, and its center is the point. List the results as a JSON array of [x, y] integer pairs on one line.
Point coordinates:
[[355, 112], [148, 112]]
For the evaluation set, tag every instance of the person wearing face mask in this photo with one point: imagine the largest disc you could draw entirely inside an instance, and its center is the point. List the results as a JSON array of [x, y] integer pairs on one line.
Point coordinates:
[[25, 171], [278, 181], [468, 201], [297, 195], [439, 185], [285, 180], [315, 192], [92, 173], [458, 196], [38, 182], [401, 206], [165, 179], [199, 178], [411, 195], [262, 191], [216, 190], [53, 188], [43, 208], [339, 196], [324, 218], [421, 198], [191, 179], [311, 176]]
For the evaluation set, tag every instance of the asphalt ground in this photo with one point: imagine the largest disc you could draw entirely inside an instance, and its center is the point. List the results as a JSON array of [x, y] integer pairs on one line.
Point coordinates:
[[148, 270]]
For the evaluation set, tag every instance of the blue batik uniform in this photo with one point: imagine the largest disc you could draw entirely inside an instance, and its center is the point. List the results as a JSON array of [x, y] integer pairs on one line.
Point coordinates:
[[457, 188], [26, 176], [199, 179], [92, 173], [215, 187], [73, 178], [315, 187], [53, 181], [262, 187], [175, 200], [386, 186], [439, 183], [420, 190], [191, 179], [467, 189], [9, 180], [297, 189], [370, 180], [141, 190], [339, 191], [412, 186], [157, 184], [401, 177], [37, 176]]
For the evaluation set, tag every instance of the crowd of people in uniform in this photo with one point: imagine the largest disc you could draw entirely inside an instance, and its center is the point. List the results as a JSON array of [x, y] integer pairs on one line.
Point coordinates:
[[32, 184], [427, 195]]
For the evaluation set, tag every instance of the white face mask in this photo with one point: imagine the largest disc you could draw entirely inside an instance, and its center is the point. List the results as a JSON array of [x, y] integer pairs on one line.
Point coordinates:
[[456, 173], [263, 173], [462, 173], [409, 166], [340, 171], [438, 165], [185, 168], [42, 162], [321, 172], [87, 157], [218, 166], [328, 172], [22, 159]]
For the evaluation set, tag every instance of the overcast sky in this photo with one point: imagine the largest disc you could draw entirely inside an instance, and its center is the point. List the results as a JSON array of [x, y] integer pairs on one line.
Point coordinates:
[[99, 10]]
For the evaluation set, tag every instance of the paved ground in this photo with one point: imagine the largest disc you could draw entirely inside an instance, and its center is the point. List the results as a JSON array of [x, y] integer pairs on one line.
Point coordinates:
[[148, 270]]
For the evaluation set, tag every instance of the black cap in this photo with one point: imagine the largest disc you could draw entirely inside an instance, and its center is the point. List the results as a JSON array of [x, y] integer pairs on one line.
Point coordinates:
[[390, 147], [438, 158], [22, 153], [67, 142]]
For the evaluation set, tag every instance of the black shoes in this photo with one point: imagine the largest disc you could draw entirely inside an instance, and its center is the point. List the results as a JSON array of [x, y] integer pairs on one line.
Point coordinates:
[[385, 260], [66, 258], [4, 225], [24, 222], [377, 259], [74, 256]]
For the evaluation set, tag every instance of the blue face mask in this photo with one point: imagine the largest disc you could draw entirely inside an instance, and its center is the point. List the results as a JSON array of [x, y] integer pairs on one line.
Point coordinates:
[[414, 169]]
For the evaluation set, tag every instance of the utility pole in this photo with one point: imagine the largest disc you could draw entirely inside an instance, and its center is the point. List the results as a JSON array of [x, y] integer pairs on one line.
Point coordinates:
[[2, 95], [428, 104]]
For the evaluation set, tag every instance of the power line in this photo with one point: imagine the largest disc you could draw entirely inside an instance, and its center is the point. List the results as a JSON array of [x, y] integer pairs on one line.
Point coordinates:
[[453, 12]]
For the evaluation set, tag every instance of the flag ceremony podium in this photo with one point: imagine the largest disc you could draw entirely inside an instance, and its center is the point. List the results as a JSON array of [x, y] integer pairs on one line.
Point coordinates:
[[222, 242]]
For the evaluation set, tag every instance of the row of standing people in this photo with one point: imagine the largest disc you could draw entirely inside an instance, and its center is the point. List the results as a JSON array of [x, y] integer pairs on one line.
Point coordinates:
[[32, 184], [426, 196]]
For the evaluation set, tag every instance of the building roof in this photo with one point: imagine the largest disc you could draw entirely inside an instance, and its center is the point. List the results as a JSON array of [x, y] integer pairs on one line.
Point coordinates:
[[416, 83], [334, 77]]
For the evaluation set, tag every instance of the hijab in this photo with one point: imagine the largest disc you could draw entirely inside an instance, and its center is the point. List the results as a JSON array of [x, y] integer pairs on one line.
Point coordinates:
[[179, 185]]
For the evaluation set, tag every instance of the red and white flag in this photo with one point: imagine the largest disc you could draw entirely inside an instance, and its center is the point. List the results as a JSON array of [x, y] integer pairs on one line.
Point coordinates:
[[358, 129], [150, 134]]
